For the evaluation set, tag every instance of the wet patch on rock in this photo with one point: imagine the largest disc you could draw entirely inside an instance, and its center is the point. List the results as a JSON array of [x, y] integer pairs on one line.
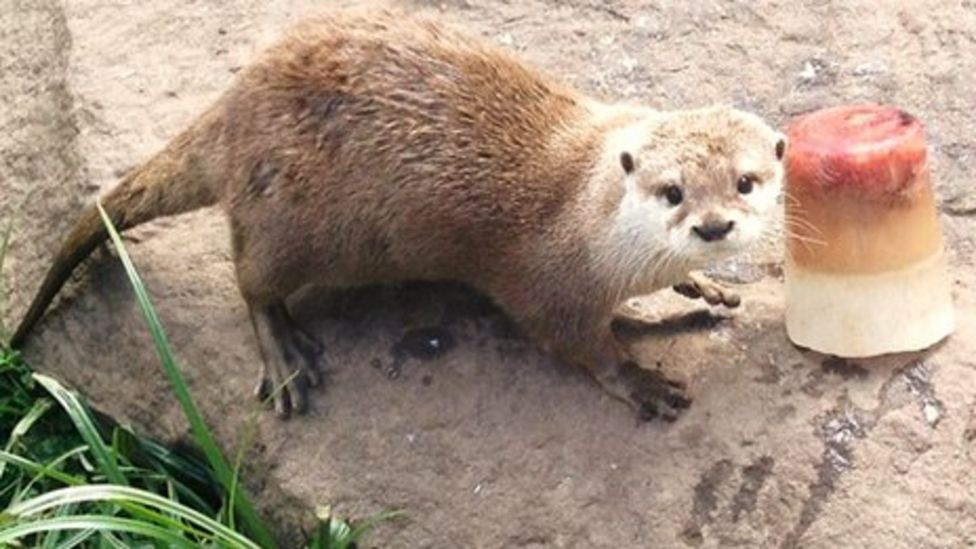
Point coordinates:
[[846, 423], [753, 479], [706, 500], [813, 386], [707, 509], [424, 344], [837, 429], [835, 367], [769, 373], [844, 368], [969, 433]]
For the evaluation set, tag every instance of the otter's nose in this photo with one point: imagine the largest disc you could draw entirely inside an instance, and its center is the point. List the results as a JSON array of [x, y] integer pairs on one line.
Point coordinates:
[[713, 230]]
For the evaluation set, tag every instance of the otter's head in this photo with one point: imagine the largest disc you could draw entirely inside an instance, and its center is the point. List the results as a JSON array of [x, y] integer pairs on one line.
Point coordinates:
[[701, 184]]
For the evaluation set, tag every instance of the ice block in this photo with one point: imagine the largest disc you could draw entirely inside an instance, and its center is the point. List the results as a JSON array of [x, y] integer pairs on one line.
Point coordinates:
[[865, 270]]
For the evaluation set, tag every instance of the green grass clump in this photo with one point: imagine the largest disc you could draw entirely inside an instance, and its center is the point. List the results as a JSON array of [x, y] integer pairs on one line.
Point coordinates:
[[70, 477]]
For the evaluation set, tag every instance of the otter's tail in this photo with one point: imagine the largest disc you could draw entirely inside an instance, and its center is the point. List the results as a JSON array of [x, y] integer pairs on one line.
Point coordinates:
[[170, 183]]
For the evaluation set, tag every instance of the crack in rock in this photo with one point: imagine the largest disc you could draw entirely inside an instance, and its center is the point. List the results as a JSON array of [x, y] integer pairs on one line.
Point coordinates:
[[842, 426], [918, 379], [838, 429]]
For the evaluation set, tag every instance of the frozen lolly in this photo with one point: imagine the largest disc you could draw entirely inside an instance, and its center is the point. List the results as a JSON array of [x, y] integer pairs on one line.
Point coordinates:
[[865, 269]]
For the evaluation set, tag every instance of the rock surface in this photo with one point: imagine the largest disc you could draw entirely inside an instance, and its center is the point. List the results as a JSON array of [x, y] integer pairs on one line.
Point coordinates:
[[433, 404]]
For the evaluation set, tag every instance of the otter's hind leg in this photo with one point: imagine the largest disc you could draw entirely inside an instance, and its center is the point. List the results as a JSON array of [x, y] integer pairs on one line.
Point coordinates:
[[289, 358], [649, 392]]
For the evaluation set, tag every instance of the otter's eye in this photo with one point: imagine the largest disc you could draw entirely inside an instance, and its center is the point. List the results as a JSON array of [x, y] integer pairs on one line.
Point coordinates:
[[745, 184], [673, 194]]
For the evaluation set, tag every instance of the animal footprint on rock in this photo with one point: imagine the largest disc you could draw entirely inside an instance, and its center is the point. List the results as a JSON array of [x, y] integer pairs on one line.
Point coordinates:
[[722, 497]]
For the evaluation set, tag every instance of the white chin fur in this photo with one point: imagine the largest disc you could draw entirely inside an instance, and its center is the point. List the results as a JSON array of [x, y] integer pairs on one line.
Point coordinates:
[[703, 254]]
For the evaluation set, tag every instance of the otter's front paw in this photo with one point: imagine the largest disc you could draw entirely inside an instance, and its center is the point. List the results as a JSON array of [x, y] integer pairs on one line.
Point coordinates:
[[652, 394], [700, 286]]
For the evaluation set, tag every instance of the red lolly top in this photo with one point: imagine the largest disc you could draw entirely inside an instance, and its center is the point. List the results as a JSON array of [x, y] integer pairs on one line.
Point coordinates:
[[878, 150]]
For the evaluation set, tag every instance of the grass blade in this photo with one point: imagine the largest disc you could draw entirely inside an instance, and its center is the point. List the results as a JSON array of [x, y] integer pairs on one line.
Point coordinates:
[[368, 524], [191, 478], [52, 539], [94, 522], [67, 496], [41, 475], [109, 540], [39, 469], [20, 429], [24, 424], [18, 393], [201, 433], [130, 497], [86, 428], [335, 533], [77, 539]]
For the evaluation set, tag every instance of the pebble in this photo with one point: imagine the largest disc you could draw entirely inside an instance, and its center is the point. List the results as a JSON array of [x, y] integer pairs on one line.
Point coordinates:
[[809, 72], [932, 413]]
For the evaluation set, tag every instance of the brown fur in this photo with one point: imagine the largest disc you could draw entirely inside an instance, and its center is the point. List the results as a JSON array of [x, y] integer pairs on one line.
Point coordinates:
[[376, 148]]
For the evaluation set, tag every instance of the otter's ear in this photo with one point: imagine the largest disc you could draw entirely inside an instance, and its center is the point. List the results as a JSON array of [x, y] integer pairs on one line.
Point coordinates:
[[627, 162], [780, 147]]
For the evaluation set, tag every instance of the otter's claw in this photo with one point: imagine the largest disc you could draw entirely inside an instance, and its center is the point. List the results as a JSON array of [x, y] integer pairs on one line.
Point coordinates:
[[649, 392], [700, 286], [654, 395], [285, 384], [290, 357]]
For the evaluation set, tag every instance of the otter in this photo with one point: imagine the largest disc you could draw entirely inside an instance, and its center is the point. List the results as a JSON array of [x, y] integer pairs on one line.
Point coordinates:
[[375, 147]]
